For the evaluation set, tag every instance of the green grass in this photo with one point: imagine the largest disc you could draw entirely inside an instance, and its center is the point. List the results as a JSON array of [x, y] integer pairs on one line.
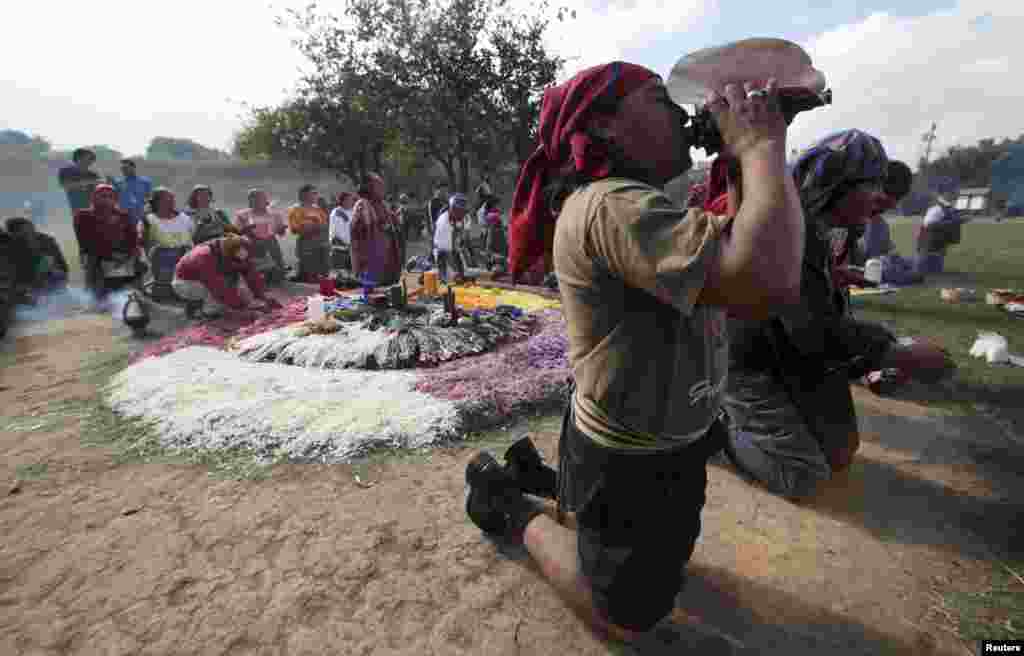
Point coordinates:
[[129, 440], [135, 440], [31, 472], [995, 613], [988, 257]]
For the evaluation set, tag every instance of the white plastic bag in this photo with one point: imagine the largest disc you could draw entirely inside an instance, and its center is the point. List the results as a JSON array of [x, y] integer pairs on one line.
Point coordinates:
[[991, 346]]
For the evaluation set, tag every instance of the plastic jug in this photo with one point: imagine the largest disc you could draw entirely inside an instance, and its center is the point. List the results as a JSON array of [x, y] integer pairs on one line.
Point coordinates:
[[873, 270]]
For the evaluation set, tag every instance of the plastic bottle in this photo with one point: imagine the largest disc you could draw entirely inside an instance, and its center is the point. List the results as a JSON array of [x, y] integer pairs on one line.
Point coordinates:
[[873, 270], [315, 308]]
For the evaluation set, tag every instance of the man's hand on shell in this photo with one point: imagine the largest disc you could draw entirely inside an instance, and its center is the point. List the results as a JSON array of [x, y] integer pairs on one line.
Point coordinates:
[[747, 117]]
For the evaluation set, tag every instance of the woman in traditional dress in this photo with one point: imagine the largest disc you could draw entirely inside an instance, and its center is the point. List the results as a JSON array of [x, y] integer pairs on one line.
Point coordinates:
[[495, 237], [208, 222], [263, 226], [109, 243], [166, 235], [209, 278], [309, 221], [377, 247]]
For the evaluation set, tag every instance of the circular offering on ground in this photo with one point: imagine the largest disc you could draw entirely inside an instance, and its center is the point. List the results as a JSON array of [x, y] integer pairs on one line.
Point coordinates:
[[360, 377], [365, 337]]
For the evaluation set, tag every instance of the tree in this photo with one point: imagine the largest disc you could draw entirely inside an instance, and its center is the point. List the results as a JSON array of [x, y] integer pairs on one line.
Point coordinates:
[[459, 80], [968, 166], [14, 138], [333, 130], [36, 146], [171, 148], [524, 69]]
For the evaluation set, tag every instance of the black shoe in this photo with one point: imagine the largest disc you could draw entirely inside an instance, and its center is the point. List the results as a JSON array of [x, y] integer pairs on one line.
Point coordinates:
[[526, 466], [494, 501]]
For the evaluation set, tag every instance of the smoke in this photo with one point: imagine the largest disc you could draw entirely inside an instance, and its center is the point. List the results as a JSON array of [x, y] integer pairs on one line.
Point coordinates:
[[69, 301], [116, 301], [58, 304]]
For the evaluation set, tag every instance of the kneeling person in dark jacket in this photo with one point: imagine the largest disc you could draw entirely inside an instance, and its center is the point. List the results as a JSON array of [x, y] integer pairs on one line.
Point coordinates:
[[208, 278], [39, 263], [792, 419], [7, 276]]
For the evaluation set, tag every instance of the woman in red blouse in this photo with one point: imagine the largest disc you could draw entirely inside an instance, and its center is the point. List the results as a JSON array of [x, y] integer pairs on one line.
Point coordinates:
[[108, 242]]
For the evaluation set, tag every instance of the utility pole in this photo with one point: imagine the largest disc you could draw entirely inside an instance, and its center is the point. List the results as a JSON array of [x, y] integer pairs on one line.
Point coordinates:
[[928, 138]]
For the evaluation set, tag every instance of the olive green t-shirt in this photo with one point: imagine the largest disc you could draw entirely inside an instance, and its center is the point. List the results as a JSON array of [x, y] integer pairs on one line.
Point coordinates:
[[650, 363]]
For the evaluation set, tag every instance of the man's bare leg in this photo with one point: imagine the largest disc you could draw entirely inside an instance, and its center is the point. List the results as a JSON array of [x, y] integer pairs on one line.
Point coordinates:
[[553, 547]]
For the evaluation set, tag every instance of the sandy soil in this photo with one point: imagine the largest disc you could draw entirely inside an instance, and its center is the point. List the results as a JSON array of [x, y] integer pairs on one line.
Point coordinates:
[[106, 558]]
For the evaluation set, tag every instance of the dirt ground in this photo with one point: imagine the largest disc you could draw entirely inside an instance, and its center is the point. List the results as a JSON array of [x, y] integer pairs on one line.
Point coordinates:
[[106, 558]]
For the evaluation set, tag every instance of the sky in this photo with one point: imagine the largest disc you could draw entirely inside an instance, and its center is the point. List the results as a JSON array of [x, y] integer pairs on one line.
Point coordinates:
[[125, 75]]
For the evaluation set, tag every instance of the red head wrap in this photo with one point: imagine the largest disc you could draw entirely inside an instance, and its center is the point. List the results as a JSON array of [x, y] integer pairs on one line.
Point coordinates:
[[100, 188], [564, 112], [103, 187]]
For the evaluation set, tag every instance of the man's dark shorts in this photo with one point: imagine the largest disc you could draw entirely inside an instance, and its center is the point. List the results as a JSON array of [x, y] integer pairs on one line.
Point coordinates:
[[638, 518]]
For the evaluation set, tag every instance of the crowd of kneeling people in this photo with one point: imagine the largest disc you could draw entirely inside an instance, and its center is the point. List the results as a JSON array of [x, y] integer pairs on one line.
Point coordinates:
[[131, 234], [199, 254]]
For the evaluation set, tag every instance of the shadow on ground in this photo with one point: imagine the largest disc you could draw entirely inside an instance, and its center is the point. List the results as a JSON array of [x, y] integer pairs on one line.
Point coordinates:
[[998, 402], [897, 505], [719, 613]]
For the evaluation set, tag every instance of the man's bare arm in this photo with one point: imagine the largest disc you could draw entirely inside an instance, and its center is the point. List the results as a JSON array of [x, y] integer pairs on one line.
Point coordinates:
[[759, 262]]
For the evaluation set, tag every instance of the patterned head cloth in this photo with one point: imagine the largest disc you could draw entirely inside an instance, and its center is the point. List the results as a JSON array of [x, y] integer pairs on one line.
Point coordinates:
[[458, 200], [836, 163], [565, 111]]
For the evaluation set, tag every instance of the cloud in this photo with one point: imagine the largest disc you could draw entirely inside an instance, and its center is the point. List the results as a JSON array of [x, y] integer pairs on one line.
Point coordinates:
[[603, 32], [124, 75], [895, 76]]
